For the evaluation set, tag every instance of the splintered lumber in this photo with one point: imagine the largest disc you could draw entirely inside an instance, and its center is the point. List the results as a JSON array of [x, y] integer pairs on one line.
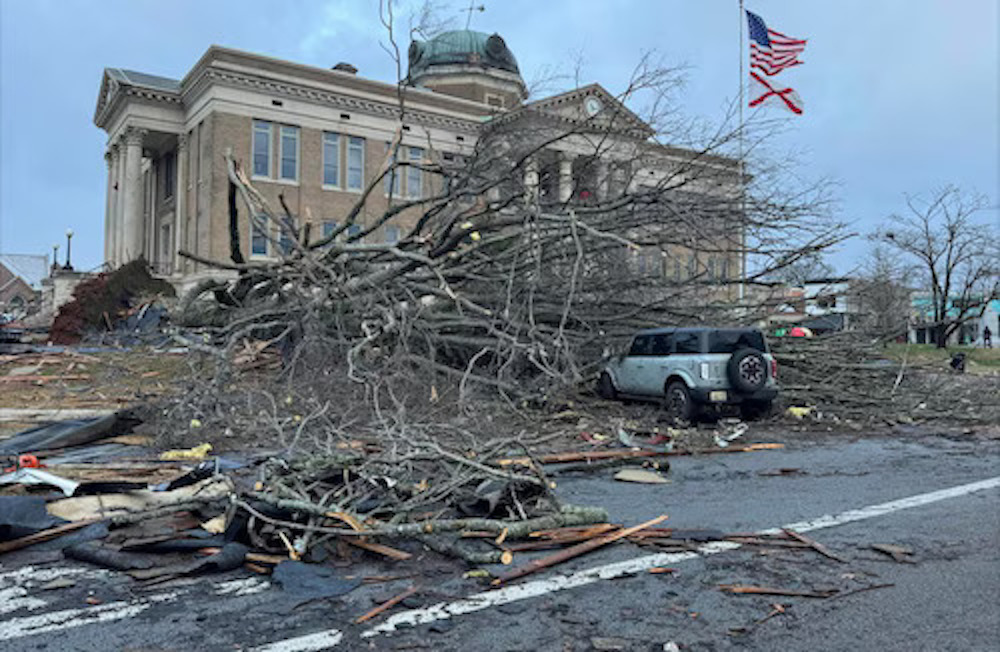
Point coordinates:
[[45, 535], [388, 604], [898, 553], [766, 590], [575, 551], [815, 545], [590, 456], [758, 541], [379, 548], [557, 541], [561, 532]]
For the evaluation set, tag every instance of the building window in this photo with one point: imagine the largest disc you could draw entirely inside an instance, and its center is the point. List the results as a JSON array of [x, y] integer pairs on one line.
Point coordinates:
[[331, 159], [169, 174], [392, 234], [258, 238], [414, 175], [355, 162], [261, 148], [329, 226], [353, 230], [289, 153], [494, 100], [392, 174]]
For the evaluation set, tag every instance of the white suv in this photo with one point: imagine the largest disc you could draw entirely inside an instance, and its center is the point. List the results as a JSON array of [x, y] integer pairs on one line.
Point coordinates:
[[690, 368]]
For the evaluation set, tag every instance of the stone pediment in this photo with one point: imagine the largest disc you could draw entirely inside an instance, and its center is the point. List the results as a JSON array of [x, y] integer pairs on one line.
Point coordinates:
[[594, 104], [117, 82]]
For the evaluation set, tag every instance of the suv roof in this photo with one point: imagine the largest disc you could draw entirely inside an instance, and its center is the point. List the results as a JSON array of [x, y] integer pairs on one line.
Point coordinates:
[[689, 329]]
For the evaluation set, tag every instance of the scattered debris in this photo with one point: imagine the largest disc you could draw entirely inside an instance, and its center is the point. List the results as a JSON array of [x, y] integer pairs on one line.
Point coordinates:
[[782, 472], [574, 551], [640, 475], [899, 554], [198, 452], [388, 604], [818, 547], [776, 610], [765, 590], [58, 583]]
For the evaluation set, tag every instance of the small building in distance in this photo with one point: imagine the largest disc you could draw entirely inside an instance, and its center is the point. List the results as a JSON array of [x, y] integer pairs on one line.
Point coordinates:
[[21, 278]]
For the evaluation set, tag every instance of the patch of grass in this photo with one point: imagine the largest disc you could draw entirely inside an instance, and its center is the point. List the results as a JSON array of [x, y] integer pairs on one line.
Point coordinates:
[[976, 359]]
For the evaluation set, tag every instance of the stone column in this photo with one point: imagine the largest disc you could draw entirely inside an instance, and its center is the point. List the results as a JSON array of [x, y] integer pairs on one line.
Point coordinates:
[[565, 176], [135, 235], [180, 201], [602, 180], [531, 180], [108, 211], [120, 204]]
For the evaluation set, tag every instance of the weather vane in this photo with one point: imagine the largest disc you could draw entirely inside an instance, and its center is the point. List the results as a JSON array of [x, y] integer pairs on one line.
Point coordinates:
[[472, 7]]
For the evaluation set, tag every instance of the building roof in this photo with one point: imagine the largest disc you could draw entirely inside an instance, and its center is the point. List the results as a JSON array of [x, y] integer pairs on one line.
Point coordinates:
[[461, 47], [134, 78], [29, 267]]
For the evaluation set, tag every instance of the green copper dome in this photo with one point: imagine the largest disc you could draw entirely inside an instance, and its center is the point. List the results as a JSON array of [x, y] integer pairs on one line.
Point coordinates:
[[461, 47]]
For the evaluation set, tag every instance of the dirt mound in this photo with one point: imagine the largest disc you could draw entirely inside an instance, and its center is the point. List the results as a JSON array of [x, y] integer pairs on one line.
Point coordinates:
[[99, 301]]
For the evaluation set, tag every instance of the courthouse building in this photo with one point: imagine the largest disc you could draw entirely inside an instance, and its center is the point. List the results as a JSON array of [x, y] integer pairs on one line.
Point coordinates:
[[318, 136]]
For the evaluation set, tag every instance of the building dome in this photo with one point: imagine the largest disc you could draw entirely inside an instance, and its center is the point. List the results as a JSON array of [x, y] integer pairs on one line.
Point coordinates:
[[467, 64], [461, 47]]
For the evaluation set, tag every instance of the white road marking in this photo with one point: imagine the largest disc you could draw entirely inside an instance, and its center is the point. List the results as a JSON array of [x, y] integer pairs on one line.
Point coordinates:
[[16, 598], [18, 627], [308, 643], [56, 620], [536, 588], [31, 574], [244, 586]]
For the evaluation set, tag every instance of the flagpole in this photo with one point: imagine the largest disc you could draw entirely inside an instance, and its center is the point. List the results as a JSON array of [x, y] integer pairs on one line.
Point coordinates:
[[743, 230]]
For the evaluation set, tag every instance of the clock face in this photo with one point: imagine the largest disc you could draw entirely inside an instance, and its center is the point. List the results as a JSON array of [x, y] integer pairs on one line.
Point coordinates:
[[592, 105]]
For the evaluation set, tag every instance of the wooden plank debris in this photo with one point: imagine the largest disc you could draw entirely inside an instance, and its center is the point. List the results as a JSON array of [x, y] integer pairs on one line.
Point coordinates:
[[379, 548], [574, 551], [388, 604], [44, 535], [767, 590], [899, 554], [815, 545]]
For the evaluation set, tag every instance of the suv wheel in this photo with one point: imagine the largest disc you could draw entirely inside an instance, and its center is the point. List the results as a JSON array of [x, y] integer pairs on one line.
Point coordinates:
[[747, 370], [606, 387], [677, 401]]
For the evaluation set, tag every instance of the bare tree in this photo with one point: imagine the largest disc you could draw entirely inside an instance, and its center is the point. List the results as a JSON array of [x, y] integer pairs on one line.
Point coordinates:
[[956, 259], [880, 296], [509, 272]]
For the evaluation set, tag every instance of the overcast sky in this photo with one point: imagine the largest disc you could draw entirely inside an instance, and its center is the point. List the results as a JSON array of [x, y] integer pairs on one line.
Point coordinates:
[[900, 95]]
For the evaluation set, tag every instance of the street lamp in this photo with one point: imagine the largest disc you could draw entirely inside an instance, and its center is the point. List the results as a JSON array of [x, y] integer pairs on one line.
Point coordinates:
[[69, 239], [55, 256]]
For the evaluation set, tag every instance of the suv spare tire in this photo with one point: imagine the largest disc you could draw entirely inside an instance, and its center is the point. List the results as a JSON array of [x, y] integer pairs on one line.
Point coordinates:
[[747, 370]]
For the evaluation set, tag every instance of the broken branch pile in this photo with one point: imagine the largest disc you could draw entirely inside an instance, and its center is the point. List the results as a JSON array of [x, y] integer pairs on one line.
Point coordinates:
[[404, 487], [849, 379]]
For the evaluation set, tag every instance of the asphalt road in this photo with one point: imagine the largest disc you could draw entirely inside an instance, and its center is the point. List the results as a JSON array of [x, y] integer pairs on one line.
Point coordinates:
[[949, 599]]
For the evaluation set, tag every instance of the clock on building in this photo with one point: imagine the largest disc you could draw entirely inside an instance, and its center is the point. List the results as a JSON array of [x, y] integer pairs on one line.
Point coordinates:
[[592, 105]]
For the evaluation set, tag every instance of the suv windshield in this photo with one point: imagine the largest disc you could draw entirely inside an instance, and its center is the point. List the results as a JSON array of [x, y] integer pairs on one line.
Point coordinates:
[[729, 341]]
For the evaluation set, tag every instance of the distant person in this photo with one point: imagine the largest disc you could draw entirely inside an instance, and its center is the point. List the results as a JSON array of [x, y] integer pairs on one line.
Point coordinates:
[[987, 338]]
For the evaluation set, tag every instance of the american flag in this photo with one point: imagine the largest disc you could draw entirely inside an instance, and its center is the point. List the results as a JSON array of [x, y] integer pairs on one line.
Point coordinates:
[[771, 51]]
